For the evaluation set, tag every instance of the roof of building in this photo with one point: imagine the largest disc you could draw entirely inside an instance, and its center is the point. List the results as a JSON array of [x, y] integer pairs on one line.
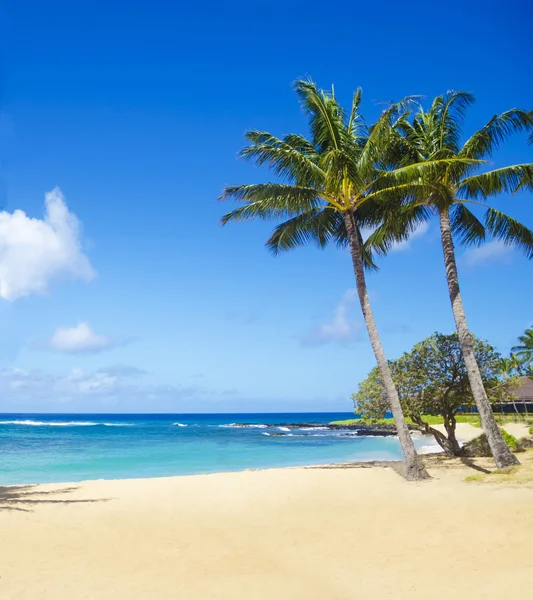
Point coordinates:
[[525, 391]]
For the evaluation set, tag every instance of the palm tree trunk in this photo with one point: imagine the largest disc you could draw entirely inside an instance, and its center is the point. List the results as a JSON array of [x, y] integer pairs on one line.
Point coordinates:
[[414, 468], [501, 452]]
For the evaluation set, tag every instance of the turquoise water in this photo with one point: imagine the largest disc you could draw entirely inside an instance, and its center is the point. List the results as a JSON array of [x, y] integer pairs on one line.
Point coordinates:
[[60, 448]]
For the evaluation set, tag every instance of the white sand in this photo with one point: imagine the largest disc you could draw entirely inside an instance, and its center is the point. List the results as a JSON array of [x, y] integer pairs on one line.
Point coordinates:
[[315, 534], [519, 430], [463, 431]]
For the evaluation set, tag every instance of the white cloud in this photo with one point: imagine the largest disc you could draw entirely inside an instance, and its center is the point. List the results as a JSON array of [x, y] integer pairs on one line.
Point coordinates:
[[490, 253], [340, 328], [78, 339], [418, 232], [33, 252], [115, 388]]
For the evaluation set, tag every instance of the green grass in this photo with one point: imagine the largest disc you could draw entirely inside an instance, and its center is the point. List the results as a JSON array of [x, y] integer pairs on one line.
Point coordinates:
[[519, 474], [473, 419], [430, 419], [349, 422], [510, 440], [508, 475]]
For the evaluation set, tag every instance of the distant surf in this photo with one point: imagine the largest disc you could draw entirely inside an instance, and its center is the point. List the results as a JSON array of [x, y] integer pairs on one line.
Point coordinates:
[[63, 423]]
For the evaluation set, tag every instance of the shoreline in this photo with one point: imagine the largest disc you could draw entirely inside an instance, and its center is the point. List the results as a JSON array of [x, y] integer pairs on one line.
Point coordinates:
[[350, 464], [465, 432]]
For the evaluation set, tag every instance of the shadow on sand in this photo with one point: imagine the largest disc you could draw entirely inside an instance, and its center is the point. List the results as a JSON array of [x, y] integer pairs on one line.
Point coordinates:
[[439, 461], [396, 466], [24, 497]]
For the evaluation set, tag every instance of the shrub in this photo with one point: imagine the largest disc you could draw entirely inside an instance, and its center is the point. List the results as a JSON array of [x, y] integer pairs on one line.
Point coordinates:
[[523, 444], [480, 446], [510, 440]]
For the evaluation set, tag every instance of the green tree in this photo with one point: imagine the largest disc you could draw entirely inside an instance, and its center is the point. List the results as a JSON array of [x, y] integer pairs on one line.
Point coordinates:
[[524, 351], [436, 134], [432, 379], [333, 184]]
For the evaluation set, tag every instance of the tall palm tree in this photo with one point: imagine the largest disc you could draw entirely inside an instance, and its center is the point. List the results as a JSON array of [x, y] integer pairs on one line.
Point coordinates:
[[524, 350], [436, 135], [333, 185]]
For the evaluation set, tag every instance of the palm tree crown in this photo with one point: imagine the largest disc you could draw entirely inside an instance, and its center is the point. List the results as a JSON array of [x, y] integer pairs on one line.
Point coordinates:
[[436, 134], [344, 167], [524, 350]]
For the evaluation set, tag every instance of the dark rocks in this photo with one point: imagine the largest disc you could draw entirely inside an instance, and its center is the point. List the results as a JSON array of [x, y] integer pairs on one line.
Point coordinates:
[[361, 429]]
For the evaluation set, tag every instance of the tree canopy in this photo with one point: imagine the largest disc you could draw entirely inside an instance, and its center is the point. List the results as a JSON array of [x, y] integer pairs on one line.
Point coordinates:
[[432, 379]]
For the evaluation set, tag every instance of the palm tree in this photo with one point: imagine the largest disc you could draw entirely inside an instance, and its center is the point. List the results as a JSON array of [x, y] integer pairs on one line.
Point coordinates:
[[436, 135], [524, 350], [333, 185], [512, 367]]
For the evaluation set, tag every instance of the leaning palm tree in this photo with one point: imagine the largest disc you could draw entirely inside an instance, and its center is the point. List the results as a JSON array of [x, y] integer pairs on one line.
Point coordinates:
[[436, 135], [524, 350], [333, 185]]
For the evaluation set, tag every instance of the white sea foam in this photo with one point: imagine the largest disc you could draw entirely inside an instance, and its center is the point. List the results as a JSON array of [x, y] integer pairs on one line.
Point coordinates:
[[430, 449], [179, 424], [248, 426], [63, 423], [313, 428], [284, 428]]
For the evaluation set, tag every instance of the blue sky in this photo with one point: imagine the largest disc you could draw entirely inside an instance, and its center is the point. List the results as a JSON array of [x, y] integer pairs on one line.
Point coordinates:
[[136, 111]]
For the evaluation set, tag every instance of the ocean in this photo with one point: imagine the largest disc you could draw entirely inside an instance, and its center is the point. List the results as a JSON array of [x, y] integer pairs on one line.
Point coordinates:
[[38, 448]]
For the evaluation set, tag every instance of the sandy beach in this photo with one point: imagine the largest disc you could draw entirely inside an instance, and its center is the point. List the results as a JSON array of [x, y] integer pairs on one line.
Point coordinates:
[[319, 533]]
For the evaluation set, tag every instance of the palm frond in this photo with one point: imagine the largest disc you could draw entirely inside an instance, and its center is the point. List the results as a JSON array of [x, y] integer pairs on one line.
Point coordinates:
[[507, 179], [319, 226], [270, 201], [467, 228], [355, 125], [450, 109], [289, 158], [509, 231], [396, 226], [382, 139], [525, 349], [326, 118], [411, 147], [483, 142], [427, 172]]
